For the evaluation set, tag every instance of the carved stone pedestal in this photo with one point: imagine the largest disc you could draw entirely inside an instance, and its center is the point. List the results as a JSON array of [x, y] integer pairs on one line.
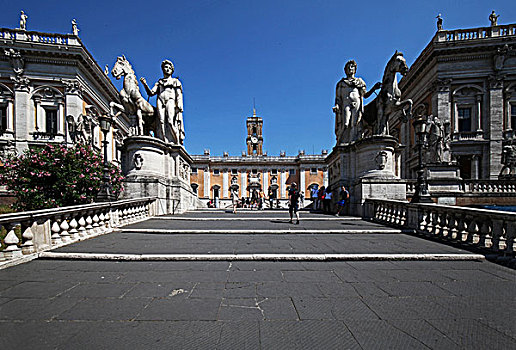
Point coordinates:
[[154, 168], [443, 182], [368, 168]]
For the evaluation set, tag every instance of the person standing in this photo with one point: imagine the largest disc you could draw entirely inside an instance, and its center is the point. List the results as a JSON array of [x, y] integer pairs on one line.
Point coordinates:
[[271, 196], [313, 197], [327, 200], [293, 202], [343, 197]]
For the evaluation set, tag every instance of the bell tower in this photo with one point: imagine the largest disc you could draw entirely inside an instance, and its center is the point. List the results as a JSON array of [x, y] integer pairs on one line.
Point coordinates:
[[254, 138]]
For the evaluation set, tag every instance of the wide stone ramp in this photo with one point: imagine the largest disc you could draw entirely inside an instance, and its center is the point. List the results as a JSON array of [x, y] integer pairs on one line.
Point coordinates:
[[258, 235]]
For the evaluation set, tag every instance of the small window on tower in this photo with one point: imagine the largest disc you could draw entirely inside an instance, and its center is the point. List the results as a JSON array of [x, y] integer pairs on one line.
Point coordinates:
[[234, 171]]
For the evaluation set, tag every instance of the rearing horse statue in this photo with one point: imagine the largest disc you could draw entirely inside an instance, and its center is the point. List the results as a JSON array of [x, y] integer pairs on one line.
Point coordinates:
[[133, 103], [389, 100]]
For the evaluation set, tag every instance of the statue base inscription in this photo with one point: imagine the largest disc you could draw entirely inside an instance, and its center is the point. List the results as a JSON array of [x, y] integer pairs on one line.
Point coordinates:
[[369, 168], [154, 168]]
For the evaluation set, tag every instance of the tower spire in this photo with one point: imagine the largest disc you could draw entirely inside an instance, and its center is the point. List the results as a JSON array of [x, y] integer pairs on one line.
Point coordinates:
[[254, 107]]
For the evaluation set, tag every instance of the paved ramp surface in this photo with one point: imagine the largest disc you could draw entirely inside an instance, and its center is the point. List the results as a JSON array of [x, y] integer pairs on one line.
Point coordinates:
[[392, 303]]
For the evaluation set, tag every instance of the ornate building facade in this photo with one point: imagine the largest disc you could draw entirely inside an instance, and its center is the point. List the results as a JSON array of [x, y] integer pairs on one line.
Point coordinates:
[[52, 91], [212, 176], [467, 79]]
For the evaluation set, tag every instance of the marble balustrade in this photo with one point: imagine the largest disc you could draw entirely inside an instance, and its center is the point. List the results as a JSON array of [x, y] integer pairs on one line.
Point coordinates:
[[489, 230], [34, 231]]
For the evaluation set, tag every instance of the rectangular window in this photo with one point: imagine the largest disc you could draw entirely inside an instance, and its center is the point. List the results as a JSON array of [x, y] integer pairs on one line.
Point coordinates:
[[255, 171], [513, 117], [51, 121], [3, 119], [292, 171], [194, 170], [216, 172], [234, 171], [313, 170], [274, 172], [464, 119]]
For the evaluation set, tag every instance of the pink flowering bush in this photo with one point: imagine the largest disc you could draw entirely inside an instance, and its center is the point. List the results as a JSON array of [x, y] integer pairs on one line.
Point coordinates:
[[56, 176]]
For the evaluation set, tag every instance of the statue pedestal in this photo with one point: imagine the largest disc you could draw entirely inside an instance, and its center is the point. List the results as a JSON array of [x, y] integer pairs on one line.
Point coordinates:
[[154, 168], [443, 182], [369, 168]]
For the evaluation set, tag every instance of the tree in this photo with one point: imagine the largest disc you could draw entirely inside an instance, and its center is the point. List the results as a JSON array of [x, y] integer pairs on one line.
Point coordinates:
[[55, 176]]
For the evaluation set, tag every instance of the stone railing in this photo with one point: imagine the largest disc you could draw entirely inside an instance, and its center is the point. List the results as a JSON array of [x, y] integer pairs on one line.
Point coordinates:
[[476, 33], [468, 135], [38, 37], [492, 188], [488, 230], [34, 231]]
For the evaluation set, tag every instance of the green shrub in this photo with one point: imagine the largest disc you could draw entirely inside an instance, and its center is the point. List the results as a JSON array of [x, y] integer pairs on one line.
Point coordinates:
[[56, 176]]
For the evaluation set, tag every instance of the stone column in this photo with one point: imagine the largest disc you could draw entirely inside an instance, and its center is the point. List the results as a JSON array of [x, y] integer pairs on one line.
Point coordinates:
[[325, 177], [207, 182], [302, 180], [243, 180], [283, 185], [478, 120], [475, 167], [441, 100], [225, 183], [265, 181], [73, 100], [23, 117], [495, 126]]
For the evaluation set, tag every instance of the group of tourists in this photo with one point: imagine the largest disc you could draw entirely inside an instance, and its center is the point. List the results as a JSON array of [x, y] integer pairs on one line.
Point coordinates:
[[321, 198]]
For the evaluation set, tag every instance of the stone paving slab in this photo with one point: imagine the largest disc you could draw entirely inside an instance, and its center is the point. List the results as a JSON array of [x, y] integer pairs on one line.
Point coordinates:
[[257, 305], [140, 243]]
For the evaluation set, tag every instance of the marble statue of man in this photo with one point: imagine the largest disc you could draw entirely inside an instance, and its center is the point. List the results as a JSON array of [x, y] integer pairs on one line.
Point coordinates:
[[75, 29], [169, 102], [439, 22], [493, 17], [349, 104], [23, 21]]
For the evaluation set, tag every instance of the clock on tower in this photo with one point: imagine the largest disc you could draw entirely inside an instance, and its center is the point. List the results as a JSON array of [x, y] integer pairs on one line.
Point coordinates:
[[254, 138]]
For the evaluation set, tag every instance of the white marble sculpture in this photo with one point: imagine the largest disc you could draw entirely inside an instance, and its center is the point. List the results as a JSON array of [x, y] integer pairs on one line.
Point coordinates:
[[133, 103], [23, 21], [75, 28], [349, 104], [169, 102]]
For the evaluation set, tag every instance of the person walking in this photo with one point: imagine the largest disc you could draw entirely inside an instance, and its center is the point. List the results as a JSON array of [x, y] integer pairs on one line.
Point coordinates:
[[272, 196], [343, 197], [293, 202], [234, 199], [320, 197]]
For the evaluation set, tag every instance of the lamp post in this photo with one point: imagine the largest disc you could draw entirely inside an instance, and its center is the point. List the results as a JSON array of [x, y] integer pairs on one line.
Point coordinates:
[[421, 194], [106, 193]]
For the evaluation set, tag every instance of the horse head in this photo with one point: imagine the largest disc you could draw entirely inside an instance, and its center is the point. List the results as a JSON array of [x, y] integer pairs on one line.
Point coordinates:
[[121, 68], [398, 64]]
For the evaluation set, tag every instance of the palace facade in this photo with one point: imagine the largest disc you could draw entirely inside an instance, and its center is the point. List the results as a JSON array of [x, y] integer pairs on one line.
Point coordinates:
[[212, 176], [467, 79], [53, 91]]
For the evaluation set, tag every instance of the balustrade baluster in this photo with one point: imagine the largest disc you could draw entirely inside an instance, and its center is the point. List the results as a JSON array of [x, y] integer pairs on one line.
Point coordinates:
[[510, 235], [55, 229], [11, 240], [453, 225], [472, 231], [89, 228], [28, 236], [74, 233], [496, 233], [484, 239], [82, 226], [65, 235], [96, 226]]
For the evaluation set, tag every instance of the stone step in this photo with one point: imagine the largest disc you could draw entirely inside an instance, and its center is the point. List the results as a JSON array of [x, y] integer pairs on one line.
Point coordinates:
[[260, 231], [260, 257]]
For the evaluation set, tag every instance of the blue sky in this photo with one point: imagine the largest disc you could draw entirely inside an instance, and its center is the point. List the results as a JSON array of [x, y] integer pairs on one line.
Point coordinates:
[[287, 55]]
